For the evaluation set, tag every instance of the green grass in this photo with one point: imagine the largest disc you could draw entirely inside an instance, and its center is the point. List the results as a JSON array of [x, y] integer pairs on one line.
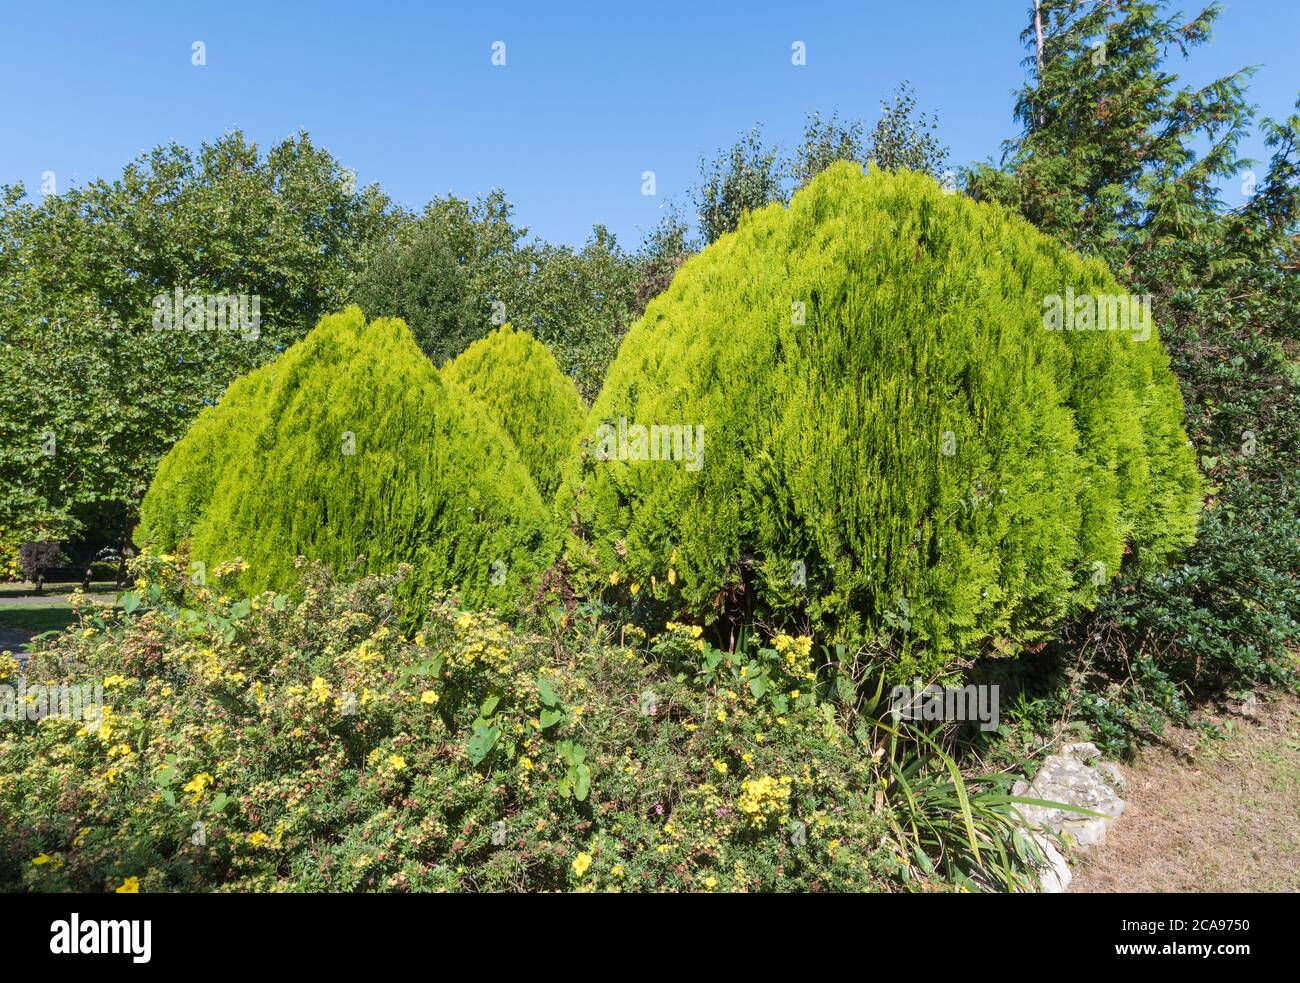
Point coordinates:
[[38, 618]]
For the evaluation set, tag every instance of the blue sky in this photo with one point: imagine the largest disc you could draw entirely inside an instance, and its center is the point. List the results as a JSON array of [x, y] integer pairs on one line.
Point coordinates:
[[589, 98]]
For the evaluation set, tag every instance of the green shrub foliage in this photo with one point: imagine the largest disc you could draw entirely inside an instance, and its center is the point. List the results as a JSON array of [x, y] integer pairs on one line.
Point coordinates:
[[352, 444], [896, 448], [517, 380]]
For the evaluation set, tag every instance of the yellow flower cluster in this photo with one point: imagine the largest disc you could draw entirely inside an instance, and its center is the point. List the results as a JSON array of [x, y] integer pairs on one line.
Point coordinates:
[[486, 642], [197, 785], [694, 631], [797, 652], [764, 799], [320, 689]]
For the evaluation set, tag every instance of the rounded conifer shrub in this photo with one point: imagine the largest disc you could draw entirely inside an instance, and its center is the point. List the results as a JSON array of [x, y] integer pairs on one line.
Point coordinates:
[[879, 411], [517, 380], [351, 444]]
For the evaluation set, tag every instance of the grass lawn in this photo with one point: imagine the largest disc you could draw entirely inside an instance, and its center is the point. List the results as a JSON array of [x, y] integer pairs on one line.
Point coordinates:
[[1209, 816], [37, 617]]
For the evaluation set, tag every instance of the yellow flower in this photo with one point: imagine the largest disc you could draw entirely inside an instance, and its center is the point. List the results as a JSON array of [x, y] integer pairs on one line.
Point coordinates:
[[130, 885], [525, 762], [429, 697], [722, 715], [672, 576], [617, 870], [320, 689], [396, 762], [196, 785], [710, 882], [614, 578], [258, 839], [581, 863], [43, 858], [720, 767], [634, 588], [111, 681], [765, 798]]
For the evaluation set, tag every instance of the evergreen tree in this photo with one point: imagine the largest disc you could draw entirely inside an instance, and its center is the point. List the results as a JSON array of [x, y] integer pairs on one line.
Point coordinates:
[[351, 445], [516, 379], [894, 444], [1107, 160]]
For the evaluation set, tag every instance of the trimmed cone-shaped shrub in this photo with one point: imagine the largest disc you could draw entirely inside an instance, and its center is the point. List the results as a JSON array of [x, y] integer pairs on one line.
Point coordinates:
[[352, 444], [517, 380], [882, 436]]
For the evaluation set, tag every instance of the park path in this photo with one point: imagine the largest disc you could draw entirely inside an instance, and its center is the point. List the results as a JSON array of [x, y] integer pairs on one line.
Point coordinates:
[[13, 639]]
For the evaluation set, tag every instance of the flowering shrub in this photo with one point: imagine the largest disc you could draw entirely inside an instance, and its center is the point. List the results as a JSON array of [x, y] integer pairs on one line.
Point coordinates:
[[275, 744]]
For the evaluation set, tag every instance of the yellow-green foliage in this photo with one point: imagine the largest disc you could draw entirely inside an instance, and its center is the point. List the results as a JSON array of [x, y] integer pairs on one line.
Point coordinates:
[[519, 383], [824, 441], [352, 444]]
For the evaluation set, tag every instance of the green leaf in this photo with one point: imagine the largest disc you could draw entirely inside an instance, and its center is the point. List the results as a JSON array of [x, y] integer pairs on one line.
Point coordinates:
[[549, 718], [481, 742], [545, 692], [241, 608]]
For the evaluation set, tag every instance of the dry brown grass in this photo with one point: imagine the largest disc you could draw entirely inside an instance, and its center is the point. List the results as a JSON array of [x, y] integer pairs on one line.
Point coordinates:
[[1209, 815]]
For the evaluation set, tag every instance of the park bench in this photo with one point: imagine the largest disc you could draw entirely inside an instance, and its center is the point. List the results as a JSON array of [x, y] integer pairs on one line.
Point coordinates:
[[63, 575]]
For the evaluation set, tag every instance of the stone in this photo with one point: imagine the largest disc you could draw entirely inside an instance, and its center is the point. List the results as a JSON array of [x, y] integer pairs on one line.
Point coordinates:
[[1084, 751], [1056, 877], [1112, 776], [1065, 778]]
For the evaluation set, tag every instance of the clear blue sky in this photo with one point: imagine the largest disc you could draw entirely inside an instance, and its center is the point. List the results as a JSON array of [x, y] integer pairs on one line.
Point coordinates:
[[590, 96]]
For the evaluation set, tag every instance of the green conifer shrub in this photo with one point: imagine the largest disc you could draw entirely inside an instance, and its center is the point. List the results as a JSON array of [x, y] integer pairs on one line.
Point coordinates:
[[895, 446], [352, 444], [517, 380]]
